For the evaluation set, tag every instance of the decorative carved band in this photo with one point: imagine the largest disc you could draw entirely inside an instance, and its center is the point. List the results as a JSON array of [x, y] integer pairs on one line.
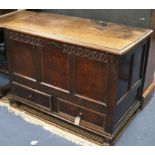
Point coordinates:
[[84, 52], [65, 48], [54, 44], [25, 38]]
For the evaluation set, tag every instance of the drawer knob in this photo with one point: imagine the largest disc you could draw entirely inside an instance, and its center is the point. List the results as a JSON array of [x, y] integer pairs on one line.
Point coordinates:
[[78, 119], [30, 96]]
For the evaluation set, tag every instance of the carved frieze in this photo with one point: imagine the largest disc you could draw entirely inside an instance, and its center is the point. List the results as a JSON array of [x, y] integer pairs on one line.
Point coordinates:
[[85, 52], [25, 38], [65, 48], [54, 44]]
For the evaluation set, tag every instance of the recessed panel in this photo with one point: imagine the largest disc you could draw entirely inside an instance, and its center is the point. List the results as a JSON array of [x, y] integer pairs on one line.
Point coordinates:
[[55, 67], [91, 79], [123, 75], [22, 60], [137, 65]]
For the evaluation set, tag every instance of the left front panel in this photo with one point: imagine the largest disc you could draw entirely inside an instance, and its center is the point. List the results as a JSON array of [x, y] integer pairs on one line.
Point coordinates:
[[22, 60], [23, 53]]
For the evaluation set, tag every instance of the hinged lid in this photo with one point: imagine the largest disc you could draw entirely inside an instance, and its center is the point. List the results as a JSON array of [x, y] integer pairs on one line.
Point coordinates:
[[100, 35]]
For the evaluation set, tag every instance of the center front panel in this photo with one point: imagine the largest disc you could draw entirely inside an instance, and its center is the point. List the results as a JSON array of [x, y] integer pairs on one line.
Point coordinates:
[[55, 67]]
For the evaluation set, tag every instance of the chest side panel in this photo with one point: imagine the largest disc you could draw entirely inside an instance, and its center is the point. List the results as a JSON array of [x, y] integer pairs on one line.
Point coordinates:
[[130, 81]]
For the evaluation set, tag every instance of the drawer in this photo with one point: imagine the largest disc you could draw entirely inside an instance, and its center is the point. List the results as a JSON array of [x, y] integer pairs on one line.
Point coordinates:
[[75, 113], [34, 97]]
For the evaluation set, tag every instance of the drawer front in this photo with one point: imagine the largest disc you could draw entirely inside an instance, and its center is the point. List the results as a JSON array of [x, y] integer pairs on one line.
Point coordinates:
[[72, 111], [35, 97]]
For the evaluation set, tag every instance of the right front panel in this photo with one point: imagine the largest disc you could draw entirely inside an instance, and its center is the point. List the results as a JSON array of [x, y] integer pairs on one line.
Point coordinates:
[[91, 79]]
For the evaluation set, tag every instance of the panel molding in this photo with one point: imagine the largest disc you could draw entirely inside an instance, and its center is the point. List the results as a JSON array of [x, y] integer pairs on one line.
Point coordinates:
[[91, 100]]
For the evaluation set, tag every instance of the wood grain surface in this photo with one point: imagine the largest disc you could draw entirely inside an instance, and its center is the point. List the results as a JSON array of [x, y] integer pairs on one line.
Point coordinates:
[[100, 35]]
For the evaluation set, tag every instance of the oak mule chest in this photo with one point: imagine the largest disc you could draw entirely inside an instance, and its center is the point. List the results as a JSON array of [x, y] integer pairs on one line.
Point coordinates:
[[86, 72]]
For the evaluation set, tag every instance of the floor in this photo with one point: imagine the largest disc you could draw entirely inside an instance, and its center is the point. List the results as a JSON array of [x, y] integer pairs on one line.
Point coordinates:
[[15, 131], [141, 131]]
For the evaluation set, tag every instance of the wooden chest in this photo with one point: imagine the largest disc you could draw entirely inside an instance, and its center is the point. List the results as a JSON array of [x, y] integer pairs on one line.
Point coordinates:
[[88, 73]]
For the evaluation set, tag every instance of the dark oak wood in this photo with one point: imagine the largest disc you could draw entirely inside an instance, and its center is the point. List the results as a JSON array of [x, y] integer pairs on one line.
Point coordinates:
[[104, 36], [97, 90], [7, 15], [35, 97]]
